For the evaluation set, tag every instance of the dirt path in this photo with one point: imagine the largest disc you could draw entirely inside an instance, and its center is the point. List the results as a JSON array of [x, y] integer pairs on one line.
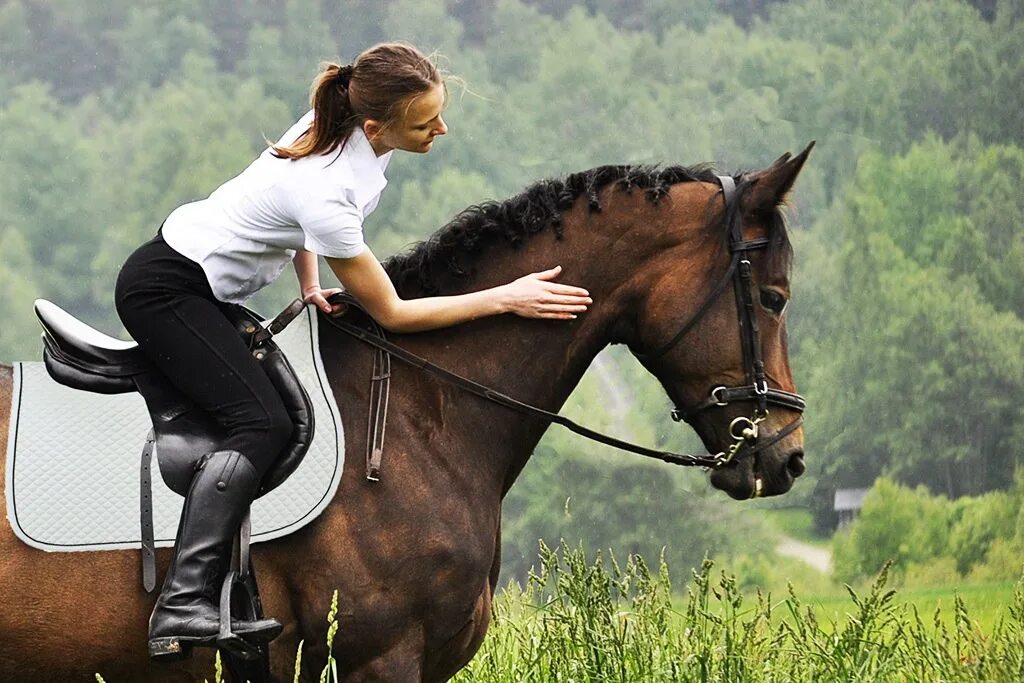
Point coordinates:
[[819, 558]]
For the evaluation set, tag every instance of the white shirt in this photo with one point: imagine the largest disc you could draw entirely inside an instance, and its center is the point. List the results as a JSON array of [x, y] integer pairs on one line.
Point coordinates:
[[249, 229]]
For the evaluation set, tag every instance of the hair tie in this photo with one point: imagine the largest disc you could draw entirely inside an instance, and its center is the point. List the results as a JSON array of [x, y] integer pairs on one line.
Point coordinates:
[[344, 75]]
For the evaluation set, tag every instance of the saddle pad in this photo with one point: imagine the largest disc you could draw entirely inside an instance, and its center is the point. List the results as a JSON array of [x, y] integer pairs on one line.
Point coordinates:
[[73, 461]]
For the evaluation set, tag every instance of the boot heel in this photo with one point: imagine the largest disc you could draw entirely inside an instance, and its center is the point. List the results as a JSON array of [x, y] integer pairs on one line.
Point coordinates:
[[169, 649]]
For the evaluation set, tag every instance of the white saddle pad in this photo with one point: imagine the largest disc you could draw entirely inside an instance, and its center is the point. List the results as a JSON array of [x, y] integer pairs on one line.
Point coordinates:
[[73, 461]]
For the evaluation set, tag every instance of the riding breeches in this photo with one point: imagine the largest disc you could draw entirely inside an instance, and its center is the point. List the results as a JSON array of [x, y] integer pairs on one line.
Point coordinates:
[[166, 304]]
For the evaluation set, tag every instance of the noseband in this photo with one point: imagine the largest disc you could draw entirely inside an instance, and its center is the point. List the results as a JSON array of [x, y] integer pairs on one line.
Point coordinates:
[[744, 431]]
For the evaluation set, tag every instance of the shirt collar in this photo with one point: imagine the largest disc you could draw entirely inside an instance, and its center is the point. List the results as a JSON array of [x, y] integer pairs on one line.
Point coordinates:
[[361, 154]]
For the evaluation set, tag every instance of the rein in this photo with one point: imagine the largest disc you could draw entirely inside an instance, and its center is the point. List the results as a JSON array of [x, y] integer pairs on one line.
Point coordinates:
[[379, 342], [747, 441]]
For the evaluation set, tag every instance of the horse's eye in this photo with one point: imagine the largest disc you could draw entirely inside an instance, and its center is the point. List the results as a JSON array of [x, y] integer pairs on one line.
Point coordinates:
[[773, 301]]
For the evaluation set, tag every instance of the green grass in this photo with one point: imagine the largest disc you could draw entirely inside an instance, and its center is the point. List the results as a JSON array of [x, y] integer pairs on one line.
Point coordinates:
[[584, 620], [592, 620], [987, 603]]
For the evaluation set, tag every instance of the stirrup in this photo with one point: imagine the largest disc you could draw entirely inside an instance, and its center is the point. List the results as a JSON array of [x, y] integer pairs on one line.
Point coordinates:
[[241, 577], [228, 639]]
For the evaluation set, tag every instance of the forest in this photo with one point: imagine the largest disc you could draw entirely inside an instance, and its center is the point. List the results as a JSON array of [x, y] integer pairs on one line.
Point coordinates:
[[906, 329]]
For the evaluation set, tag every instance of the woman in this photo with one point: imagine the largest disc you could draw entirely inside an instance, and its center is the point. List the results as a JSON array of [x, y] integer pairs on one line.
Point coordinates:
[[305, 197]]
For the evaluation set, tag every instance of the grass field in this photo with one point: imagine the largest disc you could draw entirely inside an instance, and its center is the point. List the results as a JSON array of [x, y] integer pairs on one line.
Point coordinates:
[[588, 620], [985, 603], [583, 619]]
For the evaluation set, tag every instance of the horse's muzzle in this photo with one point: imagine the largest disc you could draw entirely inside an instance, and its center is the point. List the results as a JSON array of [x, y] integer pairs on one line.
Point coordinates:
[[769, 474]]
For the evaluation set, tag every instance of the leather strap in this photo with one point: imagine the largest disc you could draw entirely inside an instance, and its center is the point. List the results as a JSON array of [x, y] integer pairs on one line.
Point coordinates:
[[244, 536], [380, 391], [722, 396], [482, 391], [279, 323], [146, 514]]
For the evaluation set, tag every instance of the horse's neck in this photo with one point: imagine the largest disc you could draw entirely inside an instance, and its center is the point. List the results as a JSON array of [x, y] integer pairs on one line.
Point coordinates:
[[538, 362]]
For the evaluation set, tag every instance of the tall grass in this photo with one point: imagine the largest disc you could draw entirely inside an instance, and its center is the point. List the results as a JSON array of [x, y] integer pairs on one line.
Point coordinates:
[[580, 620]]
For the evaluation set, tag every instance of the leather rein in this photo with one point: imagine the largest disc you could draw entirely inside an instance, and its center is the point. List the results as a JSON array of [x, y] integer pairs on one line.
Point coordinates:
[[747, 440]]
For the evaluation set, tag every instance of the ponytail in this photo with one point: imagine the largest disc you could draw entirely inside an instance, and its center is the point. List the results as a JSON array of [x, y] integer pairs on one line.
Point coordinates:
[[374, 87], [333, 117]]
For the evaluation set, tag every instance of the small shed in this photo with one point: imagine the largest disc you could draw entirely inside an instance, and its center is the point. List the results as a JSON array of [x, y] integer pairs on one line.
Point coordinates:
[[847, 504]]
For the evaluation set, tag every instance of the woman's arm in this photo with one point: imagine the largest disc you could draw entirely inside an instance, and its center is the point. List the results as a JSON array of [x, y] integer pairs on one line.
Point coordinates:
[[307, 270], [532, 296]]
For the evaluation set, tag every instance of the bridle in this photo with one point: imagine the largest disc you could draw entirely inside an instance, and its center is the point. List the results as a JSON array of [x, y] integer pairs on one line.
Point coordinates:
[[744, 431], [747, 441]]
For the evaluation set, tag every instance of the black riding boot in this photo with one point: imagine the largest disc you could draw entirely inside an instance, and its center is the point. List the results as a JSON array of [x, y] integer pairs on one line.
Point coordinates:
[[186, 613]]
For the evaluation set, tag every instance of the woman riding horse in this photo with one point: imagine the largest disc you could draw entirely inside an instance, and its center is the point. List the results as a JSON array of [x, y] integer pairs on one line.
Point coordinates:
[[306, 196]]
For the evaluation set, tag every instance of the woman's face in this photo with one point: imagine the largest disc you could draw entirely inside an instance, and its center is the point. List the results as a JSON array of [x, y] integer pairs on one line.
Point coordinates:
[[416, 130]]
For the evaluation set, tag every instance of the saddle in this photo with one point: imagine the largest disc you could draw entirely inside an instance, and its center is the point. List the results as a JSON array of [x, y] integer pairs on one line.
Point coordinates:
[[79, 356]]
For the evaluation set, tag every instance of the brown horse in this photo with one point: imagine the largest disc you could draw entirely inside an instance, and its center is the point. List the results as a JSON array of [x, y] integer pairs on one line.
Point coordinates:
[[415, 557]]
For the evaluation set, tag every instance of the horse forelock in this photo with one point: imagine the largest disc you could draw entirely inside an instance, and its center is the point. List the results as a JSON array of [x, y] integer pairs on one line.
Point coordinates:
[[452, 251]]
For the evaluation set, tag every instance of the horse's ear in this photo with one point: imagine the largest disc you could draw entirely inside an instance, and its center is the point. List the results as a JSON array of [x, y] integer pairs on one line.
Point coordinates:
[[768, 187]]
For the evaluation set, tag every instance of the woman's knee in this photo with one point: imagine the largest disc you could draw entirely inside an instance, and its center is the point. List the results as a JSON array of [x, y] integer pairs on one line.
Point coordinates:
[[263, 441]]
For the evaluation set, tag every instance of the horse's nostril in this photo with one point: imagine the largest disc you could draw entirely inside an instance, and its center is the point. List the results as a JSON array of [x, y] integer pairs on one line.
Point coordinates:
[[795, 465]]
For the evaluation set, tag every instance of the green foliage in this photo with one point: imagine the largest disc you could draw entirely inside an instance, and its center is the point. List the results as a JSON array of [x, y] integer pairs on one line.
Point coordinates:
[[594, 620], [981, 521], [932, 541], [906, 325], [925, 354], [583, 619], [631, 507], [897, 525]]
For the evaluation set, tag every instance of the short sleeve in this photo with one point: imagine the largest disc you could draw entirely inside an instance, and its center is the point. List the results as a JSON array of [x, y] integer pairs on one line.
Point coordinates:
[[331, 227]]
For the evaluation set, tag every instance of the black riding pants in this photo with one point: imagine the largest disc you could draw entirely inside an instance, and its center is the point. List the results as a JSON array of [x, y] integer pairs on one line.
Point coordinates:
[[166, 304]]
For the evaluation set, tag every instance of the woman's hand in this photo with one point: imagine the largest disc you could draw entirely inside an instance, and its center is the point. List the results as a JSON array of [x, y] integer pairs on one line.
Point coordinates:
[[318, 297], [536, 296]]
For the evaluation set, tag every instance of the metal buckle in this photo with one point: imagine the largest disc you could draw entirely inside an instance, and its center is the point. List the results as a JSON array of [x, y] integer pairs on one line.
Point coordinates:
[[761, 388], [719, 401], [747, 429]]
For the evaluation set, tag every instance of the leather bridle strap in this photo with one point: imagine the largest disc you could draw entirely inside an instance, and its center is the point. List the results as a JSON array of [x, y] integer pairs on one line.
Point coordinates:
[[494, 396], [739, 272], [719, 287], [723, 396]]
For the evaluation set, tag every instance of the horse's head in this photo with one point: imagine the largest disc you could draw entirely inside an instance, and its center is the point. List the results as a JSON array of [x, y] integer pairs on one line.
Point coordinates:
[[712, 327]]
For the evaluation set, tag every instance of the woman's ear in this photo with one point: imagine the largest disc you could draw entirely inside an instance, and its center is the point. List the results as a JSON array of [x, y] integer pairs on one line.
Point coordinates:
[[372, 129]]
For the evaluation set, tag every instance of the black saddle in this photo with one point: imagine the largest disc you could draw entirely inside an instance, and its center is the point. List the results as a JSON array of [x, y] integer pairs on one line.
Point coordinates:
[[81, 357]]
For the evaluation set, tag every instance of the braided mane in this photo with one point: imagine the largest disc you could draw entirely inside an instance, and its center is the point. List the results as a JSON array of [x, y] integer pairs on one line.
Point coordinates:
[[450, 250]]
